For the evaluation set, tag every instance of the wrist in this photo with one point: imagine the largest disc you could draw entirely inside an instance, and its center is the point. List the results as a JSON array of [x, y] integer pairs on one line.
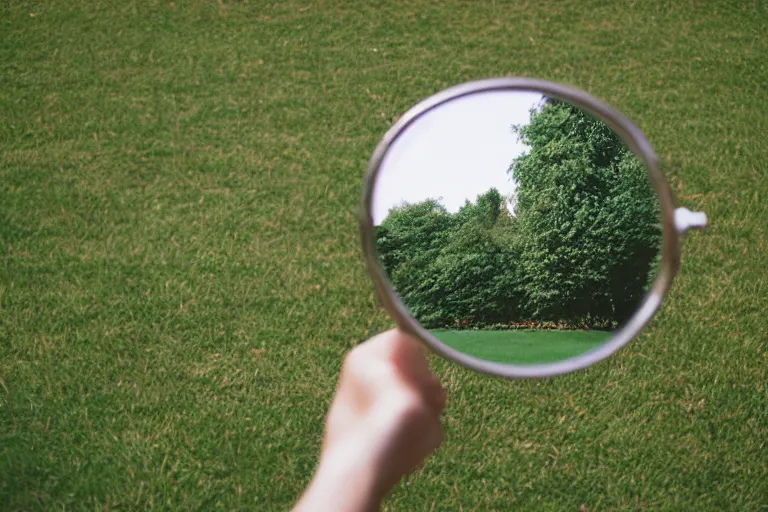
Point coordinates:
[[344, 482]]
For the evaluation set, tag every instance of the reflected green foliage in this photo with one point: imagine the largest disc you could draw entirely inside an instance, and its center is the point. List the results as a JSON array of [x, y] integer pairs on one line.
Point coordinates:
[[452, 267], [588, 218], [578, 250], [410, 240]]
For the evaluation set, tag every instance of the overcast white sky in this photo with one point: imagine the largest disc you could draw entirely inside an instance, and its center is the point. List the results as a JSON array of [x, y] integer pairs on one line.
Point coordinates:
[[455, 152]]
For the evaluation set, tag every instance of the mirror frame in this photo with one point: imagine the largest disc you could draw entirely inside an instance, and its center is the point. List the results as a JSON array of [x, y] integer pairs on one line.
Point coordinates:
[[635, 140]]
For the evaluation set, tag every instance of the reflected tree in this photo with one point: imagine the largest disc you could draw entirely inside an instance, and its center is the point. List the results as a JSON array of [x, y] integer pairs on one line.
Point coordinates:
[[588, 220], [453, 268]]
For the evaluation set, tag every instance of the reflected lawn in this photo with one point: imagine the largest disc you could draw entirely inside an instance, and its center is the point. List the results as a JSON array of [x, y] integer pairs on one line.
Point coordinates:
[[522, 346]]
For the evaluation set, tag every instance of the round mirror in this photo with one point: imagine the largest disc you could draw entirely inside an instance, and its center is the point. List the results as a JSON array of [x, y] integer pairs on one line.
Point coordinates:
[[515, 231]]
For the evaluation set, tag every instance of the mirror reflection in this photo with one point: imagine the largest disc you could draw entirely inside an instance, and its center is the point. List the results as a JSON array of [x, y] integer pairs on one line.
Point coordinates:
[[515, 227]]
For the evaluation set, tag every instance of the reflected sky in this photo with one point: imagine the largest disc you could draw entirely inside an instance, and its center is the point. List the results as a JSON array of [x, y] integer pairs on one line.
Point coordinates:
[[455, 152]]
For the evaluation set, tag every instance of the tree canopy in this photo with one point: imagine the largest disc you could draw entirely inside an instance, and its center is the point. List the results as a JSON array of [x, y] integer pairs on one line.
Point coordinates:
[[589, 221]]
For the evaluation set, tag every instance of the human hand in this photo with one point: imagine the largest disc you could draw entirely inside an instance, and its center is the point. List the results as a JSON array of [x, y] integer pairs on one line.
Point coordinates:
[[384, 420]]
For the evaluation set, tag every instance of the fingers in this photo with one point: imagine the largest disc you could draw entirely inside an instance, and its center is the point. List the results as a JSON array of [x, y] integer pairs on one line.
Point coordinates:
[[392, 345], [436, 398], [416, 420], [407, 357]]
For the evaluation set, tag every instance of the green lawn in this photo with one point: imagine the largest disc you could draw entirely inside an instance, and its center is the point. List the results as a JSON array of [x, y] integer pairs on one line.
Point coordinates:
[[523, 346], [180, 271]]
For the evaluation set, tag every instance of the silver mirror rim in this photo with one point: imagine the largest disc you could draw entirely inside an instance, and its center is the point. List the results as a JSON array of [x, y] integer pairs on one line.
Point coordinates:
[[635, 140]]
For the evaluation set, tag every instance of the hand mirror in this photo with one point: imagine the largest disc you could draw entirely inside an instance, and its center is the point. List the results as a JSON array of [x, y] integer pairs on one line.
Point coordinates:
[[519, 227]]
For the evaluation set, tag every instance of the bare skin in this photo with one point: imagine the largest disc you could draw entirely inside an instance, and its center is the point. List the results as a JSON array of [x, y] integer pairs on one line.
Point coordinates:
[[383, 422]]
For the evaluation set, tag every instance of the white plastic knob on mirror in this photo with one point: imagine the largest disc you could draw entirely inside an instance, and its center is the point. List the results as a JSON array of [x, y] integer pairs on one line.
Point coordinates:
[[685, 220]]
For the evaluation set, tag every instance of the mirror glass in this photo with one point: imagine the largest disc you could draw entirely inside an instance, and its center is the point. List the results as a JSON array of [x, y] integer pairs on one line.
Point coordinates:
[[515, 227]]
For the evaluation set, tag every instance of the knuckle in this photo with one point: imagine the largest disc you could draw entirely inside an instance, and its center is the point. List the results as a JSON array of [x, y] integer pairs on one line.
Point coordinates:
[[355, 358], [414, 411], [360, 366]]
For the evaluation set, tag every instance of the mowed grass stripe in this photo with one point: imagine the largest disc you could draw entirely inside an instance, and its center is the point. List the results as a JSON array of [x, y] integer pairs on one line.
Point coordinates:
[[522, 346]]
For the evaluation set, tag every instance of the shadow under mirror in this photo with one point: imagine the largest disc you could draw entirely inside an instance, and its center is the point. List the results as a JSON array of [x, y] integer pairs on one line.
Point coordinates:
[[516, 228]]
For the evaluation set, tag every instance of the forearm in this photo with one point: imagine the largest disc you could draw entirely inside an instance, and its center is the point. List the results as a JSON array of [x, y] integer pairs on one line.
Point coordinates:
[[341, 486]]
